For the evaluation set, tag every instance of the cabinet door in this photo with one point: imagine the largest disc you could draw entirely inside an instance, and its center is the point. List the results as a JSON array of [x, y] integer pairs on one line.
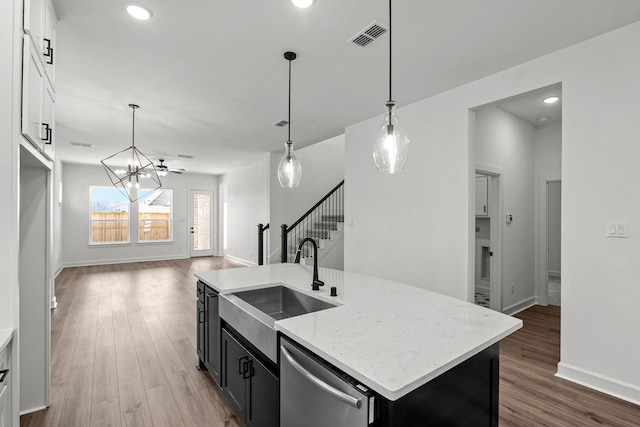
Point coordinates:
[[5, 407], [234, 360], [32, 94], [34, 15], [212, 351], [263, 401], [482, 196], [201, 334], [49, 41], [48, 121]]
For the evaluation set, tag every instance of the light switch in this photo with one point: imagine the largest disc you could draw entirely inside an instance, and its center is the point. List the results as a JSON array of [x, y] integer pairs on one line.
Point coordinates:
[[617, 229]]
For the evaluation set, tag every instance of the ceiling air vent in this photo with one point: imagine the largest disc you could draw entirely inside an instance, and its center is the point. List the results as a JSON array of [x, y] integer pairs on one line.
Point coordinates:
[[185, 156], [369, 34], [80, 144], [281, 123]]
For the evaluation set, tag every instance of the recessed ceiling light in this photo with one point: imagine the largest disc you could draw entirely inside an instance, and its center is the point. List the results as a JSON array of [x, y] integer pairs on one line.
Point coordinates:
[[302, 4], [139, 12], [551, 99]]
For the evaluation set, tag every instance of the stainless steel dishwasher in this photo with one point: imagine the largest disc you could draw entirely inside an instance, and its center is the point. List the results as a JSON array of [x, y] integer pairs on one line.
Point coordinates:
[[314, 394]]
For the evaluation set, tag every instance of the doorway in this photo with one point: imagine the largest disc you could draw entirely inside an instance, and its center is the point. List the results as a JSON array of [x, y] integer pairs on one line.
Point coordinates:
[[35, 282], [488, 277], [200, 223]]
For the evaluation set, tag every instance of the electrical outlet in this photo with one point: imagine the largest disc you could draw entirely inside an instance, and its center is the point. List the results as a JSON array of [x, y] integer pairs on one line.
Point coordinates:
[[513, 288]]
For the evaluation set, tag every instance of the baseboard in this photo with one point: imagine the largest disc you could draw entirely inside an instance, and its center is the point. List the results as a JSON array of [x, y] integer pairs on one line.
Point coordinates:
[[520, 306], [123, 260], [242, 261], [58, 271], [554, 273], [601, 383], [29, 411]]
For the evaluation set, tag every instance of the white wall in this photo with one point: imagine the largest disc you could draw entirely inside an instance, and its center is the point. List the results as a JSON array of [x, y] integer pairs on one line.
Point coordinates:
[[322, 170], [248, 206], [418, 227], [75, 207], [506, 142]]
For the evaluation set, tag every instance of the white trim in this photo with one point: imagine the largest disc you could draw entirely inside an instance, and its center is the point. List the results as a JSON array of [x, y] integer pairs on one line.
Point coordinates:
[[604, 384], [540, 260], [123, 260], [29, 411], [520, 306], [242, 261], [58, 271], [54, 302]]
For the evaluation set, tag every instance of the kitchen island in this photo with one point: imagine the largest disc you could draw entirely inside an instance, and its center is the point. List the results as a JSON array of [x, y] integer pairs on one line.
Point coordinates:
[[391, 337]]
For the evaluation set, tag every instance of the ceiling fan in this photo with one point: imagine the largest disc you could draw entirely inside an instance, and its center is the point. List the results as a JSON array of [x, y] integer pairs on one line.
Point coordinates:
[[163, 169]]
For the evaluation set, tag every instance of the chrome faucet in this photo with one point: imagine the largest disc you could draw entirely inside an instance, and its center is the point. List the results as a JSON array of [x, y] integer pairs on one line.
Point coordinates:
[[316, 283]]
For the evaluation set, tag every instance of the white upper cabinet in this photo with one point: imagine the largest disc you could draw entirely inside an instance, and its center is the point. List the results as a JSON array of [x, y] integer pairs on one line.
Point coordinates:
[[482, 196], [38, 101], [49, 42], [40, 24], [32, 92], [38, 75]]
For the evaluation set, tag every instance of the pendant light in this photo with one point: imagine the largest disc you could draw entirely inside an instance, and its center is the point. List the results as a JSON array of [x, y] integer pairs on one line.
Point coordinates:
[[391, 148], [127, 167], [289, 168]]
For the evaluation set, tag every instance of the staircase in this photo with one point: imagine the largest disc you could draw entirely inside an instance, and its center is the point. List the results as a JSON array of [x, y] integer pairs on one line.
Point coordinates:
[[327, 231], [324, 223]]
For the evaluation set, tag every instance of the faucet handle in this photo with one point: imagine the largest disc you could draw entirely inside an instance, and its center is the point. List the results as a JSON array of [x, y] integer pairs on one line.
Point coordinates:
[[315, 286]]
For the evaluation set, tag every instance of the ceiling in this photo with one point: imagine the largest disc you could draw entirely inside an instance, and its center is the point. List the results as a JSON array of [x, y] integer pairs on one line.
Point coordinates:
[[531, 107], [211, 80]]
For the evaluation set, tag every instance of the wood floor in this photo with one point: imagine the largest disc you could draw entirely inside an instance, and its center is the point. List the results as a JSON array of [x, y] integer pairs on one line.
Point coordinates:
[[530, 394], [123, 354], [123, 349]]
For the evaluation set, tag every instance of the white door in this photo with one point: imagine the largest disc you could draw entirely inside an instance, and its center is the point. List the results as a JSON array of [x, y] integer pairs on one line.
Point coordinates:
[[200, 223]]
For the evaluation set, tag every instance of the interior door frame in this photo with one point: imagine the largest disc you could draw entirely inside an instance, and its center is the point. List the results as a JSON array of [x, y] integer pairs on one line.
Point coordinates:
[[213, 210], [495, 235], [541, 260]]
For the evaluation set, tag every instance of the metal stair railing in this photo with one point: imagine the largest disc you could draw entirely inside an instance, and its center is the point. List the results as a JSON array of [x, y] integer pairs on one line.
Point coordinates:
[[317, 222]]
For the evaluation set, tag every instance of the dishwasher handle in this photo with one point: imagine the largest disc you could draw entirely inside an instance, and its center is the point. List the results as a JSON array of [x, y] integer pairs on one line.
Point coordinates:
[[356, 403]]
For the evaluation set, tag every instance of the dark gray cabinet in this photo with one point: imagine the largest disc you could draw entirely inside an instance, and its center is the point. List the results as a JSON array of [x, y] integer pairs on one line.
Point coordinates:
[[250, 387], [200, 324], [212, 331]]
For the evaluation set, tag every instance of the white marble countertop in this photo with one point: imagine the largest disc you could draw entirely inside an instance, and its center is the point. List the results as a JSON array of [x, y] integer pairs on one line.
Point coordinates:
[[5, 337], [390, 336]]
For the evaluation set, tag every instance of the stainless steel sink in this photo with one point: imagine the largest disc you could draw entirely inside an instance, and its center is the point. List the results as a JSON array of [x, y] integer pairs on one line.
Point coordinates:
[[253, 313]]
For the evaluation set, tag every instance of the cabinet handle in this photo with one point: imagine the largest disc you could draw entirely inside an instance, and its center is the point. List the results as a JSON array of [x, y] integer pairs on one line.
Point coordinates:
[[3, 375], [356, 403], [248, 371], [48, 139], [242, 365], [485, 208], [200, 320], [48, 51]]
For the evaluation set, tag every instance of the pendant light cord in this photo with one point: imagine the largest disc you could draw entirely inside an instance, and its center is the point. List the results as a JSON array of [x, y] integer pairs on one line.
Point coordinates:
[[390, 98], [289, 117]]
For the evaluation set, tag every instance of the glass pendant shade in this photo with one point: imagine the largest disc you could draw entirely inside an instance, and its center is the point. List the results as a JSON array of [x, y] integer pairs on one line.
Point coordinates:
[[289, 168], [391, 148]]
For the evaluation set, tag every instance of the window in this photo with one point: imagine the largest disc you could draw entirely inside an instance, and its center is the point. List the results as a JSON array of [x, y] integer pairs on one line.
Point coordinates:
[[109, 215], [155, 215]]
